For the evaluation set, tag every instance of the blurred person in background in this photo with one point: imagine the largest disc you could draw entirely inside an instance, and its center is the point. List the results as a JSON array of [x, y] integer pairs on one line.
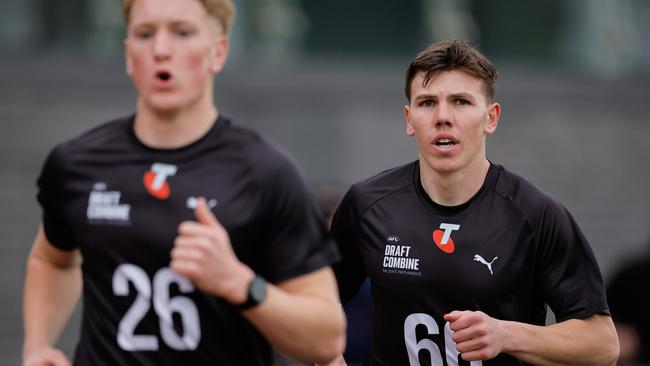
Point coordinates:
[[631, 309], [462, 254], [192, 240]]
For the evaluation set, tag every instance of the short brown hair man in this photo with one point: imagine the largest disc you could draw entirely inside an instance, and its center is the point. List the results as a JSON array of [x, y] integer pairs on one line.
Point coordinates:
[[463, 255]]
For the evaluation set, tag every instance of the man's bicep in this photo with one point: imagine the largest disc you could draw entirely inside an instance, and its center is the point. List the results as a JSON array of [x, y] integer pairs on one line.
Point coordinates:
[[43, 250], [319, 283], [599, 321], [599, 326]]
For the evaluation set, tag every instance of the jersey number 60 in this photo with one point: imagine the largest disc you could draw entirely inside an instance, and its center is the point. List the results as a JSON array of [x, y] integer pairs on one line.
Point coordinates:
[[162, 304], [414, 347]]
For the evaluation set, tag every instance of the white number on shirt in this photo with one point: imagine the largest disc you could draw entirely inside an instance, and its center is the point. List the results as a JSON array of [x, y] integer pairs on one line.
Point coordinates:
[[413, 346], [163, 305]]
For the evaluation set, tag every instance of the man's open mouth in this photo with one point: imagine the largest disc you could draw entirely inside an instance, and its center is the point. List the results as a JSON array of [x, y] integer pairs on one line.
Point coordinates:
[[445, 142], [163, 75]]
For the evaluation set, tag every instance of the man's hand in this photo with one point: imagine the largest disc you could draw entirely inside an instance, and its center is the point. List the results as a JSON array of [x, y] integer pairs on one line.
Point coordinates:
[[46, 357], [203, 253], [477, 335]]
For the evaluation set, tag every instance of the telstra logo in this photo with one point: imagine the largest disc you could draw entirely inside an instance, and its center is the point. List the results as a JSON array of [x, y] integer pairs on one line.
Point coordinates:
[[442, 238], [155, 180]]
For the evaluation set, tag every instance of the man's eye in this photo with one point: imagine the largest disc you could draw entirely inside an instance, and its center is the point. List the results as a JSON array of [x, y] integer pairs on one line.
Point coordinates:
[[461, 102], [427, 103], [143, 34], [183, 32]]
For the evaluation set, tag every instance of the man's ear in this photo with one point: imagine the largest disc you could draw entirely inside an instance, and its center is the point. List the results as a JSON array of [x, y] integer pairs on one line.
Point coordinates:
[[407, 117], [494, 112], [219, 54], [127, 58]]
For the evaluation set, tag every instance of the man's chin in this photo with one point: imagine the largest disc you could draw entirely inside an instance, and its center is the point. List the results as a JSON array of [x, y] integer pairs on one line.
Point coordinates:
[[442, 166], [163, 106]]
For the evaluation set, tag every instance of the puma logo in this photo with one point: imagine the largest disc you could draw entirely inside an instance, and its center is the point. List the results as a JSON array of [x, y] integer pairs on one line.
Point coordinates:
[[192, 202], [478, 258]]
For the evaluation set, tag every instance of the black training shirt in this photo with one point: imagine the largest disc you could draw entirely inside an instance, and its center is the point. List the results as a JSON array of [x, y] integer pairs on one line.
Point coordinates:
[[508, 251], [120, 203]]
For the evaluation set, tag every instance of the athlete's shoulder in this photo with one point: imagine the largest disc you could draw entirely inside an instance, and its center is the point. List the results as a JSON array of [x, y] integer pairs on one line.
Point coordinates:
[[106, 132], [371, 190], [263, 158], [111, 134], [530, 200], [514, 187], [236, 134]]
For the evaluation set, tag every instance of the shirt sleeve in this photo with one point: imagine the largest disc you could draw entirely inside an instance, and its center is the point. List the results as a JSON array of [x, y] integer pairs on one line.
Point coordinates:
[[571, 280], [51, 198], [298, 240], [350, 272]]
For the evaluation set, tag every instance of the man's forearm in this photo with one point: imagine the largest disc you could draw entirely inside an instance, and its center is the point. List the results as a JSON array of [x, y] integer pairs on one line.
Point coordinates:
[[592, 341], [50, 296], [306, 326]]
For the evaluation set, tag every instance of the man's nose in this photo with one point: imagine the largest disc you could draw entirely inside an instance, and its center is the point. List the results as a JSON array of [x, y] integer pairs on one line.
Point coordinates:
[[443, 114], [162, 45]]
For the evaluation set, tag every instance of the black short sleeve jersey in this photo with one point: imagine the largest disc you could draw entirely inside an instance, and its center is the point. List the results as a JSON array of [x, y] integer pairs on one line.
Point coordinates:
[[508, 251], [120, 203]]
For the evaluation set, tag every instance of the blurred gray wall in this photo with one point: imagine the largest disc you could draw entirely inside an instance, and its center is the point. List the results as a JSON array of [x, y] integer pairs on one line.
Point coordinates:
[[325, 83]]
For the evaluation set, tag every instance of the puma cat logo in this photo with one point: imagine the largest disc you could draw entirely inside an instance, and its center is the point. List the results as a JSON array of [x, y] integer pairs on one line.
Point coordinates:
[[478, 258]]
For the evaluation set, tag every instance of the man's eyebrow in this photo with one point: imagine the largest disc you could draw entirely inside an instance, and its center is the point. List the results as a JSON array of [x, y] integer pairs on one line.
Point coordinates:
[[177, 23], [462, 95], [152, 23], [425, 96]]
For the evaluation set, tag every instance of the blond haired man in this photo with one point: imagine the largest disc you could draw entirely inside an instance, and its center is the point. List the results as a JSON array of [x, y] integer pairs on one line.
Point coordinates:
[[192, 240]]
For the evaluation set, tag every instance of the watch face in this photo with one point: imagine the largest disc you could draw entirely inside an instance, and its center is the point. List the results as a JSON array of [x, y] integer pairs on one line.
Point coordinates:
[[258, 290], [256, 293]]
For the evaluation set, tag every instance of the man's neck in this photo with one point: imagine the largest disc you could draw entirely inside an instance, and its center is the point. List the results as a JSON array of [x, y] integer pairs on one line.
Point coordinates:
[[453, 188], [173, 129]]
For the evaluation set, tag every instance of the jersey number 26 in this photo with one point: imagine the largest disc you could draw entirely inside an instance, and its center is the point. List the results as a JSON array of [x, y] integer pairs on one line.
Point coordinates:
[[163, 305]]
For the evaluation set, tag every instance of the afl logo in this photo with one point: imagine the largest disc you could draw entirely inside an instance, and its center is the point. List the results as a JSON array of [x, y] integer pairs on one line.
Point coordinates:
[[392, 238], [155, 180]]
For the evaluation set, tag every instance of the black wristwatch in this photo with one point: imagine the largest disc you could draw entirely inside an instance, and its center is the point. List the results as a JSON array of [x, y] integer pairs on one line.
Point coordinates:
[[256, 293]]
